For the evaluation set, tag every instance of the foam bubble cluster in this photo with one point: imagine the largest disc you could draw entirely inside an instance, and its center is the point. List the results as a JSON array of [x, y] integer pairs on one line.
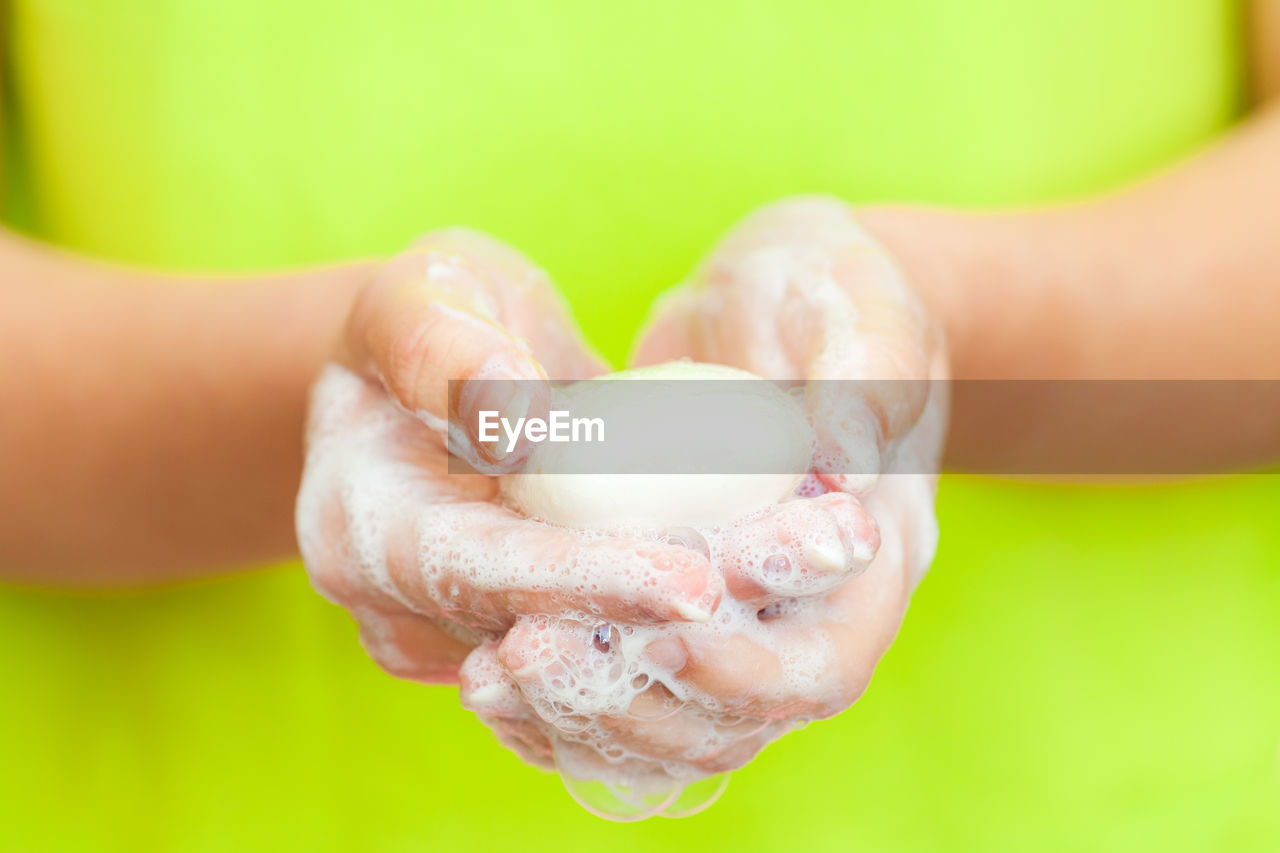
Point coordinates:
[[619, 709], [628, 732]]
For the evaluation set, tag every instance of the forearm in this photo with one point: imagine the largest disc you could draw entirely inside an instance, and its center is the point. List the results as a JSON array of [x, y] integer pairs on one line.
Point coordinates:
[[1176, 278], [152, 425]]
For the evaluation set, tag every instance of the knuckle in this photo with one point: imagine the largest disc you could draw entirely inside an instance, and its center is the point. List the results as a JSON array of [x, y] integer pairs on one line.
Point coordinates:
[[322, 538], [409, 350]]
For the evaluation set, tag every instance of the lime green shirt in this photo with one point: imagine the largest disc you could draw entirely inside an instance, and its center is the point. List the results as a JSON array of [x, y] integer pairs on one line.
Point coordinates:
[[1083, 669]]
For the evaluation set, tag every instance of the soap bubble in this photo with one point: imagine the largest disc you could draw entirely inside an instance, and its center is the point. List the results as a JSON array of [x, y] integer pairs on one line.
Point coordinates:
[[618, 803], [697, 796], [624, 804]]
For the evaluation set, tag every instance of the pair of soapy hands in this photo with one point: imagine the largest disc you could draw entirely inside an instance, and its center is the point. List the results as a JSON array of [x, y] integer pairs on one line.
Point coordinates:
[[449, 585]]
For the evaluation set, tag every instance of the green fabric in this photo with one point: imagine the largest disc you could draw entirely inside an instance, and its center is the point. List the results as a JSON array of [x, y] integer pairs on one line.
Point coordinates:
[[1084, 668]]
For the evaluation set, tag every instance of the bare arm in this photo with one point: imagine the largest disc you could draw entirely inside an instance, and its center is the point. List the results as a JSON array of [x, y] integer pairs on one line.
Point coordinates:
[[1177, 277], [1264, 44], [151, 426]]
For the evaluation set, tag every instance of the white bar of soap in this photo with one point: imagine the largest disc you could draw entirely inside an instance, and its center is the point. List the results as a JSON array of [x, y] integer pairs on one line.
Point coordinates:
[[688, 447]]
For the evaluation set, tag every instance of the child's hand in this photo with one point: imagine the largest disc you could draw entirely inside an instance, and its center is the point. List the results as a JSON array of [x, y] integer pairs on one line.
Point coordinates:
[[716, 693], [425, 560], [798, 291]]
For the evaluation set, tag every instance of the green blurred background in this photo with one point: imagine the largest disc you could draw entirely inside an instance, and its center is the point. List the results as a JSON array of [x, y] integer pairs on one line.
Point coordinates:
[[1085, 668]]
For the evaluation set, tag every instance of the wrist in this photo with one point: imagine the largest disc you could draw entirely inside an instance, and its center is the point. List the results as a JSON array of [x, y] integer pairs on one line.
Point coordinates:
[[939, 260], [996, 284]]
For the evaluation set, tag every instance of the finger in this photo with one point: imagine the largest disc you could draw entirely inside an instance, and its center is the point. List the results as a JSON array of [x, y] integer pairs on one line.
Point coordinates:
[[870, 381], [802, 548], [743, 675], [691, 735], [920, 450], [867, 388], [861, 619], [671, 332], [410, 646], [904, 503], [726, 744], [737, 753], [726, 672], [579, 761], [810, 220], [812, 661], [485, 687], [590, 693], [480, 558], [565, 672], [841, 314], [589, 688], [368, 467], [350, 416], [374, 527], [487, 690], [523, 298], [427, 320]]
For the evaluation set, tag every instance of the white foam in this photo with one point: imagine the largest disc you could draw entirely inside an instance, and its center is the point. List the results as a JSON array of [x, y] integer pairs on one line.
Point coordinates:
[[580, 689], [571, 697]]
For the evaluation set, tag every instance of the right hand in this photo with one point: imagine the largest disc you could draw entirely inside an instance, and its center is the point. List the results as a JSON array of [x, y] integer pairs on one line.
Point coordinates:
[[782, 651], [427, 561], [797, 291]]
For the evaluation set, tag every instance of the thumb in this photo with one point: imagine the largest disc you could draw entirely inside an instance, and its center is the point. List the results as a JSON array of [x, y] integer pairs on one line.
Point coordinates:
[[671, 331], [426, 330]]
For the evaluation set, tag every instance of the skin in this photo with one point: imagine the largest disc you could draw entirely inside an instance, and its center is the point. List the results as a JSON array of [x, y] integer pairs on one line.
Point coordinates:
[[369, 454], [160, 416], [735, 312], [162, 443], [457, 304]]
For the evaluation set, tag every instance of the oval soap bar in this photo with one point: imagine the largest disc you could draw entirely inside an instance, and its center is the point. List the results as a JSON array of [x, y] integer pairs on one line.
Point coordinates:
[[674, 453]]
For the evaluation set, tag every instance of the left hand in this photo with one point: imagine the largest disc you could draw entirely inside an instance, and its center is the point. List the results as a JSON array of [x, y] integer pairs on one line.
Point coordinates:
[[426, 558], [798, 291]]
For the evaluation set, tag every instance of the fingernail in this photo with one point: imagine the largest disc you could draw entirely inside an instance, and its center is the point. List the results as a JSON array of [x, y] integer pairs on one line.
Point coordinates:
[[827, 557], [700, 607], [502, 387], [860, 537], [692, 611], [863, 550]]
